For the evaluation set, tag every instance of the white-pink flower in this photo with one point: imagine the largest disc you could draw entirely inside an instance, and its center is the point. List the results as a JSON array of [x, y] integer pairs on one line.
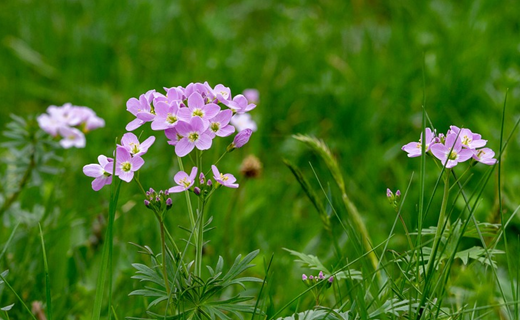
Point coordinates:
[[414, 149], [97, 171], [131, 143], [126, 165], [485, 156], [451, 152], [183, 180], [227, 180]]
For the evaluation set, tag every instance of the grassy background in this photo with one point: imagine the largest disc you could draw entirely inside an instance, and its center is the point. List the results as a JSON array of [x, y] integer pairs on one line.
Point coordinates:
[[351, 73]]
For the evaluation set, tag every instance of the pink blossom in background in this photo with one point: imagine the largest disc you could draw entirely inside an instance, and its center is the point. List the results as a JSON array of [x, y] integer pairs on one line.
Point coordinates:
[[252, 95], [71, 137], [243, 121], [69, 122]]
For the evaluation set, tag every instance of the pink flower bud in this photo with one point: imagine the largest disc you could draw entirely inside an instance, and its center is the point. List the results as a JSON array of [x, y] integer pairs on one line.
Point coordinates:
[[242, 138]]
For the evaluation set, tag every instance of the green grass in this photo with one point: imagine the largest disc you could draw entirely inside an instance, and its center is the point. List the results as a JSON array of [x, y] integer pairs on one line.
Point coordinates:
[[350, 73]]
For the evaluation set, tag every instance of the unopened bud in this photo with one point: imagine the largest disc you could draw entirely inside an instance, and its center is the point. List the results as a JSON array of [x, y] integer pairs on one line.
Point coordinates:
[[304, 277], [168, 203], [202, 178], [196, 190], [147, 203]]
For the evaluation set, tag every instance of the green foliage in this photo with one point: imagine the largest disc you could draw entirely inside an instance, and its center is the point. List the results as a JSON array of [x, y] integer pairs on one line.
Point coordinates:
[[193, 296], [314, 263]]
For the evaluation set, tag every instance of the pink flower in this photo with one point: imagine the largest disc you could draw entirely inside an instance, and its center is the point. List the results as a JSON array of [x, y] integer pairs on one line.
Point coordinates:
[[485, 156], [183, 180], [194, 134], [414, 148], [227, 180], [130, 142], [165, 115], [451, 152], [240, 104], [198, 109], [469, 139], [141, 109], [97, 171], [219, 124], [126, 165]]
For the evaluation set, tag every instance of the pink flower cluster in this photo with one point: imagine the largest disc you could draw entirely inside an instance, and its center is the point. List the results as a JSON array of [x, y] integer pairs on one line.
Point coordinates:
[[458, 145], [70, 123], [311, 280], [190, 117], [185, 181], [128, 160]]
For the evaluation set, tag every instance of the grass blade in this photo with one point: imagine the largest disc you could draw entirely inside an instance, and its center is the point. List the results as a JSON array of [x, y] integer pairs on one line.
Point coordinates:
[[47, 278]]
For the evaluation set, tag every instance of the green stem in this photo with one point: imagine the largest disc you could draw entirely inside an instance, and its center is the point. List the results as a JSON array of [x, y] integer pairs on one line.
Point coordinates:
[[163, 249], [188, 201], [199, 243], [441, 222]]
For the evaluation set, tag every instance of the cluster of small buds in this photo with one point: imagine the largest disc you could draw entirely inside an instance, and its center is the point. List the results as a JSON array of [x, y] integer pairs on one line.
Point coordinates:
[[192, 117], [394, 199], [312, 280], [158, 200], [458, 145], [70, 123]]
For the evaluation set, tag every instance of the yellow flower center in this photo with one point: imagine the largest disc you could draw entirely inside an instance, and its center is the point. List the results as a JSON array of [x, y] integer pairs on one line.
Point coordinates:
[[171, 118], [198, 113], [126, 166], [194, 136]]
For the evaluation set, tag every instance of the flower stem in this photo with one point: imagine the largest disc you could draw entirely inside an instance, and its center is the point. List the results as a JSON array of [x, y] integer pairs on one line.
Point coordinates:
[[163, 249], [441, 222]]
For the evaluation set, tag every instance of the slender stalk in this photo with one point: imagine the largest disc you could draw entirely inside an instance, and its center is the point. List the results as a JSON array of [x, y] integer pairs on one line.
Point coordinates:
[[440, 223], [163, 249]]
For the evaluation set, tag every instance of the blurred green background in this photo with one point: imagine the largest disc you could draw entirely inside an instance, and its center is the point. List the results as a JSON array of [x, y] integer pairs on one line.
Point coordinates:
[[353, 73]]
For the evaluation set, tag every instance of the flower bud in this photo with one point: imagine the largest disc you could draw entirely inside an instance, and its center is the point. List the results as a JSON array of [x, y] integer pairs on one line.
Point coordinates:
[[304, 277], [389, 195], [196, 190], [209, 183], [202, 178], [147, 203], [240, 139], [321, 276], [168, 203], [331, 279]]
